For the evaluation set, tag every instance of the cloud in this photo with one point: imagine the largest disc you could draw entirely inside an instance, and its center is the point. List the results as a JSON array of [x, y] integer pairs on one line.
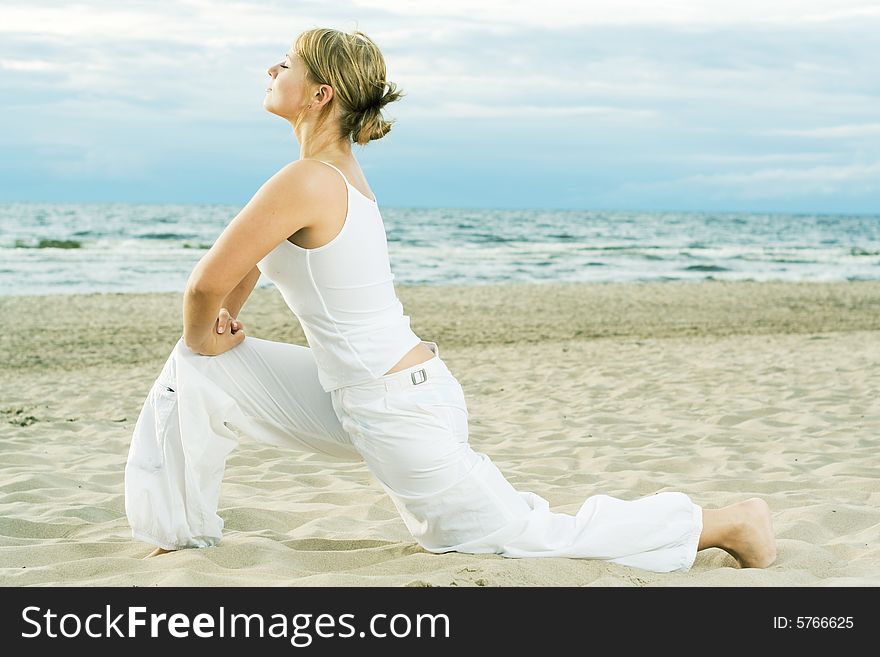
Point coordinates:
[[770, 183], [750, 159], [569, 13], [726, 87], [473, 110], [96, 161], [820, 174], [856, 130], [844, 14], [27, 65]]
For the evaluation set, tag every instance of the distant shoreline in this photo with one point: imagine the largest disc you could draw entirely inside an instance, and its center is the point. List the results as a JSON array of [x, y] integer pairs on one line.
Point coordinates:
[[464, 286]]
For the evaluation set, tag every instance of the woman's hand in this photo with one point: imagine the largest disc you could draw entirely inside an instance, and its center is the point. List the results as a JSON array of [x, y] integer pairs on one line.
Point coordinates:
[[224, 320], [228, 333]]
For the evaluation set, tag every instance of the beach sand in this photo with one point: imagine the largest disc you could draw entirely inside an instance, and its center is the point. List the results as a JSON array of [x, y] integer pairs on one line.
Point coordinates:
[[722, 390]]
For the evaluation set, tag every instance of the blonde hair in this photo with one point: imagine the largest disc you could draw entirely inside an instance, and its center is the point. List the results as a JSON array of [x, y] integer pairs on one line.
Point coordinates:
[[353, 65]]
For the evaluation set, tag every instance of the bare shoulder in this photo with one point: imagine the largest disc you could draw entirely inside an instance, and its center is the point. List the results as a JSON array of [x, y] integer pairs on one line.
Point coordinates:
[[303, 196], [309, 180]]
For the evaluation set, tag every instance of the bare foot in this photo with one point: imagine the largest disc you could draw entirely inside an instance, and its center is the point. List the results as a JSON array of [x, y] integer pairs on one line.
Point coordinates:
[[157, 552], [750, 540], [744, 530]]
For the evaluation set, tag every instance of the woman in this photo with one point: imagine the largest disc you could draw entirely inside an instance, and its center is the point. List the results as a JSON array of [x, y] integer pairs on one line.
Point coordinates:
[[367, 387]]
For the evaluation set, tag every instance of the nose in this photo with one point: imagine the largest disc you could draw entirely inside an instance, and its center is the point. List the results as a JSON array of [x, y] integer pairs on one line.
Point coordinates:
[[272, 70]]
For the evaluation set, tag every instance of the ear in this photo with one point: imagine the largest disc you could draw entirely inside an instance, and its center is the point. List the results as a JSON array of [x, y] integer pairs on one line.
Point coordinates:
[[324, 95]]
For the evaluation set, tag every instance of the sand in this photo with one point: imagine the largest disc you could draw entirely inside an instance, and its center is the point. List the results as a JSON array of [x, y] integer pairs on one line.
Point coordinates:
[[723, 390]]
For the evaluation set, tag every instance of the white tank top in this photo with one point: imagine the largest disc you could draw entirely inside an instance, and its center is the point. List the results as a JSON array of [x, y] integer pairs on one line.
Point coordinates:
[[343, 294]]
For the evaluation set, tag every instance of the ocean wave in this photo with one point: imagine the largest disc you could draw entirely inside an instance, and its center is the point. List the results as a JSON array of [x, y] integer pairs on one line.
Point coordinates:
[[705, 268], [166, 236], [139, 248], [48, 244]]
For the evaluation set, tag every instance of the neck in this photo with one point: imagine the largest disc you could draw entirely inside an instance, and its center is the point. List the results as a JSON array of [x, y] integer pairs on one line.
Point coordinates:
[[320, 145]]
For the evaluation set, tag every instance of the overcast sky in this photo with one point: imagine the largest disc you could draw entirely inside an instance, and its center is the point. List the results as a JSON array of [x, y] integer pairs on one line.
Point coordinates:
[[630, 105]]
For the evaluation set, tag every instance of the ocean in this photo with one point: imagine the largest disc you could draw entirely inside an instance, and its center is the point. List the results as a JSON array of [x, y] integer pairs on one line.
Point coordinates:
[[53, 248]]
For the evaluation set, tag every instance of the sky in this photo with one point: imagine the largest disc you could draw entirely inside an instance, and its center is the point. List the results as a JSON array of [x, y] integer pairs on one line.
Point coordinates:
[[571, 104]]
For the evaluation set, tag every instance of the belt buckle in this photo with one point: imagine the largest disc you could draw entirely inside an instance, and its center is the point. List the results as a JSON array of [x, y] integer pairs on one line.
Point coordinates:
[[419, 376]]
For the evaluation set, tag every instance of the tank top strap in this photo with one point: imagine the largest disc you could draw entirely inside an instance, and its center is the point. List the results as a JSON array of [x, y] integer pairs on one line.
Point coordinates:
[[340, 172]]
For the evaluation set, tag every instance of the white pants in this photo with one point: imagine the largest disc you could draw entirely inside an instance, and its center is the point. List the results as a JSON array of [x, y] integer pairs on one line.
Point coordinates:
[[410, 427]]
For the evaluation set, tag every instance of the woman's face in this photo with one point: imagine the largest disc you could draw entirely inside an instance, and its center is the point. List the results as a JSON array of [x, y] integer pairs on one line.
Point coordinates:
[[287, 91]]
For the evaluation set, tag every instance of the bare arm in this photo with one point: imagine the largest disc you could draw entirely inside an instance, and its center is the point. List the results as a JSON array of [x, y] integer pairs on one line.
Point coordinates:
[[235, 300], [282, 206]]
